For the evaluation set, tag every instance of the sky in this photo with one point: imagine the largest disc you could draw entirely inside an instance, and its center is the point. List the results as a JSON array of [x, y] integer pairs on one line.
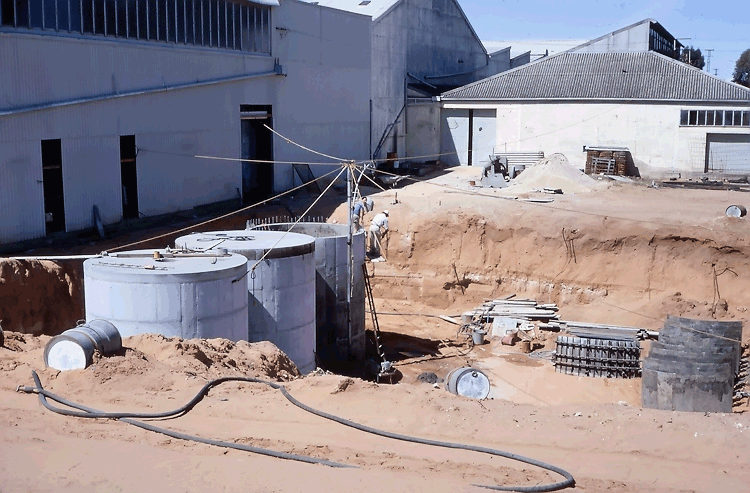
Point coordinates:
[[721, 25]]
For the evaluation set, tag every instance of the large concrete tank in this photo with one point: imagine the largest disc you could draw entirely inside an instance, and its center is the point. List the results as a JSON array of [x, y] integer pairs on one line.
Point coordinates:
[[184, 296], [281, 306], [336, 341]]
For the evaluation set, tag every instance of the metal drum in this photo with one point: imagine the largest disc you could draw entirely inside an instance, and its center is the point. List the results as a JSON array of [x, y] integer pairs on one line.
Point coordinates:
[[468, 382], [74, 348]]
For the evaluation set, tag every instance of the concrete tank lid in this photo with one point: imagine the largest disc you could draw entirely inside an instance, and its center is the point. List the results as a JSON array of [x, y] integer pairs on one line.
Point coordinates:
[[251, 244], [316, 230], [143, 263]]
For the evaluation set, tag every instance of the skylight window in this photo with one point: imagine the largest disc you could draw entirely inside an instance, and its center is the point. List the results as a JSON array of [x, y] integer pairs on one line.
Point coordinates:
[[364, 2]]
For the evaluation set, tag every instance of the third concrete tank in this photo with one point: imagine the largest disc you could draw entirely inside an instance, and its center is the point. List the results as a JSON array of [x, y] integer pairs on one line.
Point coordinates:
[[281, 287], [336, 341]]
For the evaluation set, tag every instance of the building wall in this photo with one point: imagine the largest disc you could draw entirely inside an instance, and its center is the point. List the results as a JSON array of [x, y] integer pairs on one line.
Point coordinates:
[[634, 39], [441, 42], [423, 120], [425, 38], [652, 132], [390, 37], [322, 103]]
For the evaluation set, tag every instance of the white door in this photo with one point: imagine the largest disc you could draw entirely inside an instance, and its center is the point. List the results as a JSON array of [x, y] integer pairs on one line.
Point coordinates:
[[483, 136], [454, 137]]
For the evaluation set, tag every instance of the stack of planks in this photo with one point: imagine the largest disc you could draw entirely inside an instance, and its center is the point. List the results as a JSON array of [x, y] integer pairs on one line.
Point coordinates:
[[526, 309]]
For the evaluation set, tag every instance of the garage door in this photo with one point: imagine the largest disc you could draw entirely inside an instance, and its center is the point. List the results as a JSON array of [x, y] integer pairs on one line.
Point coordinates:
[[728, 154]]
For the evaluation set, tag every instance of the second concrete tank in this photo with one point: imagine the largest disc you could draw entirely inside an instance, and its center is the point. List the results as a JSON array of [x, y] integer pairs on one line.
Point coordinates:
[[337, 341], [281, 287]]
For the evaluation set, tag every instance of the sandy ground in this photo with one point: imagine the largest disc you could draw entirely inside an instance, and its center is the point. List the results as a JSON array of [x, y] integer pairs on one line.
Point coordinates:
[[638, 255]]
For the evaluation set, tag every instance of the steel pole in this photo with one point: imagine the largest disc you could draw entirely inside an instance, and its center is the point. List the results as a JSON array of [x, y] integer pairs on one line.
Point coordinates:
[[349, 262]]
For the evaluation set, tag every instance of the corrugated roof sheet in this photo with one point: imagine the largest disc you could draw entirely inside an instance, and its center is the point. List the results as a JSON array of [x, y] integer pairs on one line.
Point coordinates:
[[619, 76]]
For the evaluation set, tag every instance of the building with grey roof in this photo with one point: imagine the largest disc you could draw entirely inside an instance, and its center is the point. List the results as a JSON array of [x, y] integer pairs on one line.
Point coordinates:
[[672, 117]]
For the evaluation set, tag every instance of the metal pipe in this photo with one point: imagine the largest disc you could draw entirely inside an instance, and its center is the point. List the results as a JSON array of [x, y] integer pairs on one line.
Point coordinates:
[[349, 258], [137, 92], [55, 257]]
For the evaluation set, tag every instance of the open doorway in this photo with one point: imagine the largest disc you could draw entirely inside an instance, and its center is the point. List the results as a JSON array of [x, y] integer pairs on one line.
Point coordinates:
[[129, 177], [257, 143], [52, 176]]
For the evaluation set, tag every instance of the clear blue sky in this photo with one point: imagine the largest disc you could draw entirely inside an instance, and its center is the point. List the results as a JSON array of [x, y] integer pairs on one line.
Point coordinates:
[[721, 25]]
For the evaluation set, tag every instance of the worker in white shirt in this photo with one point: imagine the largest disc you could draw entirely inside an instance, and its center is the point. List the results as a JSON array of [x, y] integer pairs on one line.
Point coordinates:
[[378, 227]]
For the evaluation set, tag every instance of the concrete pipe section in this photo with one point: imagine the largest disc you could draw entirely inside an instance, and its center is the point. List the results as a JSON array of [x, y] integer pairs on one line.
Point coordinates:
[[337, 341], [280, 289], [188, 296]]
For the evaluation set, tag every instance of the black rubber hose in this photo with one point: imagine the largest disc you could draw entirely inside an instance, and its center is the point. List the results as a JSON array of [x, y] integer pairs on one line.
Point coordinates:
[[93, 413]]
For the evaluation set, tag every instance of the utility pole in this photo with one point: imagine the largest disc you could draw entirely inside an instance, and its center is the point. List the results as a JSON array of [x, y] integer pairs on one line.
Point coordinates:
[[708, 62]]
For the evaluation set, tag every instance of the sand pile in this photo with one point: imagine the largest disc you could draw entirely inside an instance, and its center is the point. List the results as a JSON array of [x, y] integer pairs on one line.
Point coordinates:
[[552, 172], [153, 360]]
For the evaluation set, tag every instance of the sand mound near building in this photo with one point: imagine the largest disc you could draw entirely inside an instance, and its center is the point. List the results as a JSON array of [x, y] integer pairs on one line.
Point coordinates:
[[552, 172]]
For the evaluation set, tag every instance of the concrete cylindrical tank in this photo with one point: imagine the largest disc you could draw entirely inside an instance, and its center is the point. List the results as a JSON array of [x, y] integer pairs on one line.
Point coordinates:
[[281, 289], [185, 296], [336, 342]]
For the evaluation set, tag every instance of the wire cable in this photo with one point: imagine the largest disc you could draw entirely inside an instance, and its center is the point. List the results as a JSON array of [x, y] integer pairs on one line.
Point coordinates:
[[242, 160], [224, 216], [569, 481], [290, 141], [343, 168]]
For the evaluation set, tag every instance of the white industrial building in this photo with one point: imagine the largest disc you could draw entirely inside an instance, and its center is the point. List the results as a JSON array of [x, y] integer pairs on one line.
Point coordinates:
[[420, 48], [111, 103], [617, 92]]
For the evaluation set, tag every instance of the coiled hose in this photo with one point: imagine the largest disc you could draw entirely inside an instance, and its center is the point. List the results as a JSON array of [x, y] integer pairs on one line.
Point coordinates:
[[87, 412]]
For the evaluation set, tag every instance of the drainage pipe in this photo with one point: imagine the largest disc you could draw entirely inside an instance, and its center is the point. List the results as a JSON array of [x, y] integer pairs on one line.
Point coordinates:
[[125, 417]]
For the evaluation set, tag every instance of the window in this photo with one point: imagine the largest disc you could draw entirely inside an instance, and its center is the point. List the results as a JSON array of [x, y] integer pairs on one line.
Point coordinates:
[[714, 118], [225, 24]]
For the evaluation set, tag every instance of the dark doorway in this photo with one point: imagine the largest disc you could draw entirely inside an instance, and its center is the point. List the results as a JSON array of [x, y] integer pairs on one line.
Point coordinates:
[[129, 177], [54, 199], [257, 143]]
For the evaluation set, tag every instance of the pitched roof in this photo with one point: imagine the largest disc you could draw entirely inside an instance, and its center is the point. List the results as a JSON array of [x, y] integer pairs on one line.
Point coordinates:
[[604, 76]]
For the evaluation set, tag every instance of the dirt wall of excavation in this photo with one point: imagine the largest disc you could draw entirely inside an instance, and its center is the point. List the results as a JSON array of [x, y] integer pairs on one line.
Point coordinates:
[[449, 259], [39, 296]]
